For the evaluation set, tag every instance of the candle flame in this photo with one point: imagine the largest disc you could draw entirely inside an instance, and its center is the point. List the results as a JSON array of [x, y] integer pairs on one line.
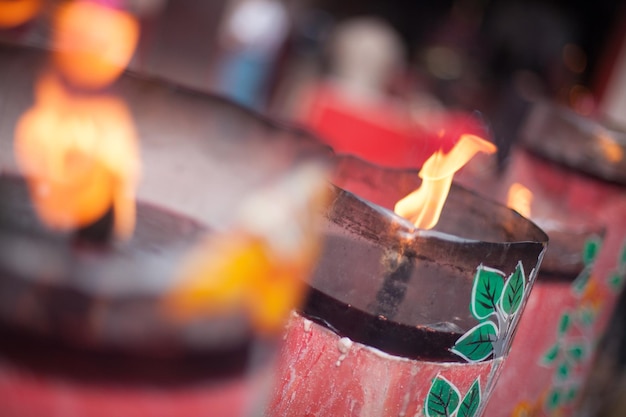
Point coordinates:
[[611, 150], [80, 157], [423, 206], [92, 43], [520, 199], [261, 264]]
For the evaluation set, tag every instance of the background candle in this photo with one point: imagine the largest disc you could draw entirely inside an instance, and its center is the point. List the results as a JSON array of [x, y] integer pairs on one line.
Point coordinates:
[[88, 332]]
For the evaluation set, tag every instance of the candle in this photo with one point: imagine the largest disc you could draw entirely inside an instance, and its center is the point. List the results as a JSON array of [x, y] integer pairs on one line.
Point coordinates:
[[403, 321], [86, 322], [574, 168]]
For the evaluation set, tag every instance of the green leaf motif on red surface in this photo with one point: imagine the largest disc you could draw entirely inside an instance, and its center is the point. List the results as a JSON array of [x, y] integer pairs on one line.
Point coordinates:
[[571, 394], [616, 281], [563, 370], [586, 316], [580, 283], [513, 291], [442, 399], [477, 344], [577, 352], [486, 292], [550, 356], [554, 399], [471, 401], [565, 323], [622, 257], [591, 249]]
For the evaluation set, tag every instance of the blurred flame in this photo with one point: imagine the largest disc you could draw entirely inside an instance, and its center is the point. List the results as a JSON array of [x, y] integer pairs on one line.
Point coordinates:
[[520, 199], [262, 263], [611, 150], [17, 12], [93, 44], [423, 206], [80, 157]]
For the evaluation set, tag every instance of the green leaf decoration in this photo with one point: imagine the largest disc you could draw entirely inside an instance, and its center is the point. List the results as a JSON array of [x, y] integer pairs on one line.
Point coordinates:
[[471, 401], [486, 292], [577, 352], [591, 249], [513, 291], [477, 344], [554, 399], [563, 370], [616, 281], [442, 399], [622, 257], [586, 316], [550, 356], [571, 394], [579, 284], [565, 323]]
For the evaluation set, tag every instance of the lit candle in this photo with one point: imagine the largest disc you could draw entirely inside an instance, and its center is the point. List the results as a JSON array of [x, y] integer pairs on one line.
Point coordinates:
[[430, 340], [86, 321]]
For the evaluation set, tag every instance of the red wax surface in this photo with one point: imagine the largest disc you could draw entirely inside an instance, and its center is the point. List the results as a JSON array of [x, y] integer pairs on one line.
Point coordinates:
[[318, 376], [24, 394], [527, 383]]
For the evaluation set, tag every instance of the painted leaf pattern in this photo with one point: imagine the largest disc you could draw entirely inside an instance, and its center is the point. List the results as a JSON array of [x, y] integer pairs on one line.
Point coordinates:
[[565, 323], [577, 352], [550, 356], [571, 394], [579, 284], [615, 282], [486, 292], [590, 251], [442, 399], [471, 401], [477, 344], [622, 257], [563, 370], [554, 399], [513, 292], [586, 316]]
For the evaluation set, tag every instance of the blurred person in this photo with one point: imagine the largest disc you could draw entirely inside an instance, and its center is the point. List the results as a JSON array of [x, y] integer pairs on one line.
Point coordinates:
[[350, 105], [250, 37]]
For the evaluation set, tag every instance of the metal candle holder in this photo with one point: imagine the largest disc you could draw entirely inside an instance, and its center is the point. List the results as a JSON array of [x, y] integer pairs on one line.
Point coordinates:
[[402, 321]]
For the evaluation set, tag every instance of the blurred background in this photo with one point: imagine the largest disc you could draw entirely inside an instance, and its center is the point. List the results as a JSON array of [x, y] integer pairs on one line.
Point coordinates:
[[392, 63], [393, 70], [409, 59]]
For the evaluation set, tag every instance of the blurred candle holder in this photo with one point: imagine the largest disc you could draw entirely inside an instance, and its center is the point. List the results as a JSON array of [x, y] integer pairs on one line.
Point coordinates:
[[574, 168], [403, 321], [85, 332]]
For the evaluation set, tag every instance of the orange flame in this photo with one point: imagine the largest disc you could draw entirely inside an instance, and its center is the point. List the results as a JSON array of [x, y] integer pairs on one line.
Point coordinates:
[[262, 263], [520, 199], [423, 206], [17, 12], [93, 44], [611, 150], [80, 156]]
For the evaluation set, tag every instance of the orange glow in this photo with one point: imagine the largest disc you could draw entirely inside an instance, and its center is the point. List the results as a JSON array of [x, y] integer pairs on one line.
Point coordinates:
[[236, 270], [423, 206], [593, 297], [80, 156], [93, 44], [520, 199], [260, 266], [17, 12], [611, 150]]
